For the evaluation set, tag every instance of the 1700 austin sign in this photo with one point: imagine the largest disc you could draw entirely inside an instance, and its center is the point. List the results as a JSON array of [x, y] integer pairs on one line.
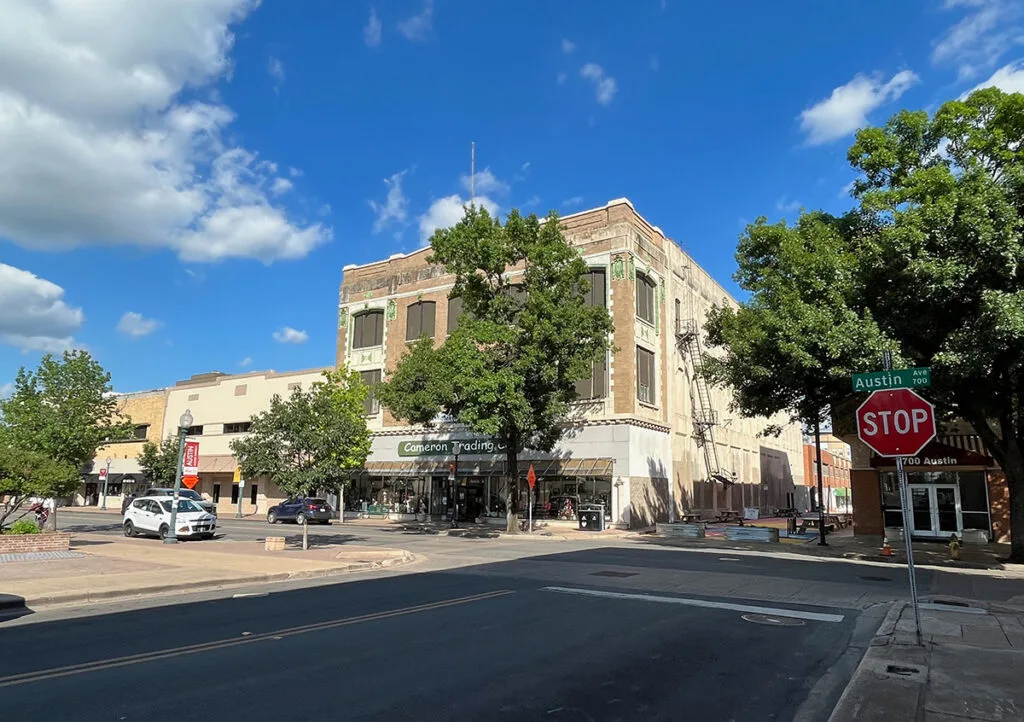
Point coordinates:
[[443, 447]]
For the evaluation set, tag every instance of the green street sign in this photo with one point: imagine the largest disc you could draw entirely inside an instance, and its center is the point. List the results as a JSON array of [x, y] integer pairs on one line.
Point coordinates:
[[444, 447], [895, 379]]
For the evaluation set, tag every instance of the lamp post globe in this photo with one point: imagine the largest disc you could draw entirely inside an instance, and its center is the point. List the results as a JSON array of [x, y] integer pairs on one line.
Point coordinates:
[[186, 420]]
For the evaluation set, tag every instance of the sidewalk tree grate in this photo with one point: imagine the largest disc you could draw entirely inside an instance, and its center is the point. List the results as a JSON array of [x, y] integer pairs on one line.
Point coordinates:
[[613, 573], [773, 621]]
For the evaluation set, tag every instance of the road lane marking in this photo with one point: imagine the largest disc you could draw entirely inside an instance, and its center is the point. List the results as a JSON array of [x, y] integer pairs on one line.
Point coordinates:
[[688, 602], [115, 662]]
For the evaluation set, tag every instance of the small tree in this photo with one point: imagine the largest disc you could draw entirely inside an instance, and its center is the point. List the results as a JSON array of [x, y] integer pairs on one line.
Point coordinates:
[[25, 474], [510, 369], [310, 441], [64, 410], [159, 463]]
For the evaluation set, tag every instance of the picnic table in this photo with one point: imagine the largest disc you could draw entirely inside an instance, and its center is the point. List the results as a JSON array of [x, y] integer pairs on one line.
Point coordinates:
[[689, 518], [814, 522], [728, 515]]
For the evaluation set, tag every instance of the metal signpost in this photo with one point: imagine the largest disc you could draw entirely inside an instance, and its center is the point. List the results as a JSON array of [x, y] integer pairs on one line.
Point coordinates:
[[899, 423], [531, 478]]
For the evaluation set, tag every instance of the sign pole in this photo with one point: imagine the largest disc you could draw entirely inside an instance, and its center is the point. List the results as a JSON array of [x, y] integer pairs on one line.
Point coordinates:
[[529, 510]]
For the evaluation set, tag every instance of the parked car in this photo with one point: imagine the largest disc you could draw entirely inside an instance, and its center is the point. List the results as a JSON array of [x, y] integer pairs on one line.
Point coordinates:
[[300, 510], [152, 515], [195, 496]]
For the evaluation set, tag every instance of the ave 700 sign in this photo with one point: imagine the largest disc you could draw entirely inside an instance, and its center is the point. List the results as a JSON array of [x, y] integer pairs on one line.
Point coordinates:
[[897, 422]]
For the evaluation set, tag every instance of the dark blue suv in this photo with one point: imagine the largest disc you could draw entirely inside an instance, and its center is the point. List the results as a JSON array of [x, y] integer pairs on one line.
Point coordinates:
[[300, 510]]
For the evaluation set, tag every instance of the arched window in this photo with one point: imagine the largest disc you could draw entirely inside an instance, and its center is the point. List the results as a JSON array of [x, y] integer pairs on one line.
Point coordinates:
[[368, 329]]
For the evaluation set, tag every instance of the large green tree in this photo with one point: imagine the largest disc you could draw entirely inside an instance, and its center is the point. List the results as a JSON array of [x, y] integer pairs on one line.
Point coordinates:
[[159, 463], [942, 261], [25, 474], [509, 370]]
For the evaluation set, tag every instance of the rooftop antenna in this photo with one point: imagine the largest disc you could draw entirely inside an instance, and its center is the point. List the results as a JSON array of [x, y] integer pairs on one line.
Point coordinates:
[[472, 173]]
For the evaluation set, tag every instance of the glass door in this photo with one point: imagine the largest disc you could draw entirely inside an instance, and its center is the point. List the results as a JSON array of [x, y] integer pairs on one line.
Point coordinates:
[[947, 511], [921, 510], [935, 510]]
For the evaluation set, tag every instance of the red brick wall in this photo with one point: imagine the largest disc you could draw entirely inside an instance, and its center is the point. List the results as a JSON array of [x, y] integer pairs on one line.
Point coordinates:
[[999, 504], [867, 502], [25, 543]]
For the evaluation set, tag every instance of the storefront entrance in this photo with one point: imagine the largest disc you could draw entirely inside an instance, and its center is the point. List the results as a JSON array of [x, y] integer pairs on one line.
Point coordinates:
[[936, 510]]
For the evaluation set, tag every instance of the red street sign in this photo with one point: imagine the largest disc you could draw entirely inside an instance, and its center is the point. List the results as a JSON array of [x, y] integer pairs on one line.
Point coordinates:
[[896, 422], [190, 481], [531, 477], [103, 474], [190, 463]]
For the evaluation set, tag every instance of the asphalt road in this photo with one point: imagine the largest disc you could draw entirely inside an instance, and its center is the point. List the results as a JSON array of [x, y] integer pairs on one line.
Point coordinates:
[[512, 640]]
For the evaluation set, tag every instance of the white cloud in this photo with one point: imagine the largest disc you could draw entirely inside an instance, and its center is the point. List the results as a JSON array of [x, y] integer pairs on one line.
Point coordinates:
[[847, 108], [562, 77], [33, 314], [294, 172], [372, 31], [276, 69], [986, 33], [246, 362], [1009, 79], [418, 27], [134, 325], [788, 206], [395, 207], [486, 183], [98, 145], [280, 186], [532, 201], [572, 202], [568, 46], [604, 86], [525, 167], [287, 334], [446, 212], [847, 189]]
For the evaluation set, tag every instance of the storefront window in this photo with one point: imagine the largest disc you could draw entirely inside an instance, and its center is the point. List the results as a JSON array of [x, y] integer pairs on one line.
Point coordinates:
[[974, 500], [560, 497]]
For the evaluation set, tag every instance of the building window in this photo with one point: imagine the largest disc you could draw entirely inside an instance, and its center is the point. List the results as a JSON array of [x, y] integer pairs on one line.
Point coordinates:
[[419, 320], [644, 298], [193, 397], [368, 329], [194, 430], [596, 386], [295, 387], [239, 427], [240, 389], [597, 294], [234, 493], [517, 292], [141, 432], [253, 494], [454, 312], [645, 375], [371, 379]]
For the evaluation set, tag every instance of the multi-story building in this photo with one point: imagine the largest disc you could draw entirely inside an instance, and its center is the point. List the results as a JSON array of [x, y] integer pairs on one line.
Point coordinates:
[[146, 410], [654, 440], [835, 473], [221, 406]]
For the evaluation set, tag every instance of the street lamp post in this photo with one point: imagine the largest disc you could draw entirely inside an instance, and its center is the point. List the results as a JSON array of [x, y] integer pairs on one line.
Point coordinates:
[[456, 448], [183, 426], [106, 480]]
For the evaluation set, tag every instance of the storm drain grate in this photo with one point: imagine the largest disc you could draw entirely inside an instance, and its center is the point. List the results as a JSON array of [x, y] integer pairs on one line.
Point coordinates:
[[869, 578], [613, 573], [950, 603]]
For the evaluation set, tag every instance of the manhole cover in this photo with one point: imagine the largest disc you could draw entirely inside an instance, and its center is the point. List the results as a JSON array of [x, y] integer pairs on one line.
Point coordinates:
[[869, 578], [772, 621], [613, 573]]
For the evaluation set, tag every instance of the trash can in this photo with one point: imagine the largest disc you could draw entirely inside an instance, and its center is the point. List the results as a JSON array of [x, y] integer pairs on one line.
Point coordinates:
[[591, 517]]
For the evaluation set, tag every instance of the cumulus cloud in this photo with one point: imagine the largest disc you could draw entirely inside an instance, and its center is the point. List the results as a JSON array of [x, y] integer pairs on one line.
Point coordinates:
[[568, 46], [276, 69], [33, 314], [287, 334], [100, 146], [134, 325], [1009, 79], [418, 27], [372, 32], [572, 202], [988, 30], [605, 87], [246, 362], [788, 206], [395, 208], [446, 212], [847, 108]]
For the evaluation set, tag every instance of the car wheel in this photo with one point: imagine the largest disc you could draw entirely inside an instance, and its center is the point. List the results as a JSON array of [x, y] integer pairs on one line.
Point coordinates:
[[129, 528], [300, 519], [164, 530], [271, 518]]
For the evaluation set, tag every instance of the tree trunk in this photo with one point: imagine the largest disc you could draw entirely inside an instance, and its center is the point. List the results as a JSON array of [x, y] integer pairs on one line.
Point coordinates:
[[1013, 467], [512, 486]]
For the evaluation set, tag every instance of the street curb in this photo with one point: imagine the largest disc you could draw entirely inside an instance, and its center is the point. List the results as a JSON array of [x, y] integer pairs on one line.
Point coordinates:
[[15, 603]]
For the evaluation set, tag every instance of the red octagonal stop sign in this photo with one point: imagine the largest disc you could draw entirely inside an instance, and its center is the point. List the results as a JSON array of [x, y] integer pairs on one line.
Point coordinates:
[[896, 422]]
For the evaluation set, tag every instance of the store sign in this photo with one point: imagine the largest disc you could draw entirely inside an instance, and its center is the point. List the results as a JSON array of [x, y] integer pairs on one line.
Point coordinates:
[[938, 454], [444, 447], [190, 462]]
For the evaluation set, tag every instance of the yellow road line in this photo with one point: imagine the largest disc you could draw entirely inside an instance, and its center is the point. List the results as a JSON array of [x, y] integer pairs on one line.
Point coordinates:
[[113, 663]]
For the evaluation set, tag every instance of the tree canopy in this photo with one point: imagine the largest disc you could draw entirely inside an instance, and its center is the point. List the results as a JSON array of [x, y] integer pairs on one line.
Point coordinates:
[[159, 463], [510, 368], [25, 473], [312, 440]]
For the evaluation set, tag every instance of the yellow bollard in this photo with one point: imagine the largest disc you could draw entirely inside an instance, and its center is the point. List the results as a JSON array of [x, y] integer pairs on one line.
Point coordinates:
[[954, 547]]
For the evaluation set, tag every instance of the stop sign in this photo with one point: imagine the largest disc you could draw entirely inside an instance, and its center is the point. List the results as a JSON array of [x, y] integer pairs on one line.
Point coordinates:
[[896, 422]]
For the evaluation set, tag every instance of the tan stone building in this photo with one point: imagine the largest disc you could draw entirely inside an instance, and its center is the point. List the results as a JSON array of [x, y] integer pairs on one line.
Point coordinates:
[[654, 442], [146, 409]]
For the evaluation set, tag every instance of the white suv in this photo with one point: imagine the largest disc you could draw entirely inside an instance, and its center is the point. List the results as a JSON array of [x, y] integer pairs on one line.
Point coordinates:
[[152, 515]]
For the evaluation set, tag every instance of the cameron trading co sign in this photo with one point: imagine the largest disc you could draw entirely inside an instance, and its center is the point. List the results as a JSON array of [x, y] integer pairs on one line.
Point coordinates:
[[444, 447]]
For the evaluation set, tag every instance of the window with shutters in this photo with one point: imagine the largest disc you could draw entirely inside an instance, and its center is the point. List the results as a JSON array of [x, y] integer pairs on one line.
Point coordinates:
[[238, 427], [419, 320], [644, 298], [454, 312], [645, 375], [371, 378], [368, 329], [596, 386]]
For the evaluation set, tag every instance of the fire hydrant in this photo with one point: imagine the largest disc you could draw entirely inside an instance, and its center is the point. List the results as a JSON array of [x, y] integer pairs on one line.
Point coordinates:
[[954, 547]]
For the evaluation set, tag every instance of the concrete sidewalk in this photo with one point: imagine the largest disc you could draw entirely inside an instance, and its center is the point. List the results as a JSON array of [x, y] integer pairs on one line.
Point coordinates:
[[115, 567], [970, 667]]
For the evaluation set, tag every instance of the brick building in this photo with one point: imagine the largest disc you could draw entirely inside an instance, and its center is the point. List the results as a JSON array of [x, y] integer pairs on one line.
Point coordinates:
[[835, 473], [654, 440]]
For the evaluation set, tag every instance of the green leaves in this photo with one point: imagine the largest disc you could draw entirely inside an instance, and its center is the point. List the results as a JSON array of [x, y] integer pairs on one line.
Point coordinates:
[[25, 473], [311, 440], [159, 464]]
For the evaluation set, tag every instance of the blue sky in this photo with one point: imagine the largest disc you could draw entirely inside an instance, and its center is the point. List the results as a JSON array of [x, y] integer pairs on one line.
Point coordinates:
[[182, 183]]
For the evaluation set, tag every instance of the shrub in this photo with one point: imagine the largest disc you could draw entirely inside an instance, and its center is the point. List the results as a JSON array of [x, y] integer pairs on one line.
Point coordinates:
[[23, 526]]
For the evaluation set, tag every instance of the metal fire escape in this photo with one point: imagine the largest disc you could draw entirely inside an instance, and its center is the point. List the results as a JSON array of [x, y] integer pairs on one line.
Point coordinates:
[[705, 418]]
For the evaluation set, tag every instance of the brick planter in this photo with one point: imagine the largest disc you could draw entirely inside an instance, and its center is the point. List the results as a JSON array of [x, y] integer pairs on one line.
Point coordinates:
[[27, 543]]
